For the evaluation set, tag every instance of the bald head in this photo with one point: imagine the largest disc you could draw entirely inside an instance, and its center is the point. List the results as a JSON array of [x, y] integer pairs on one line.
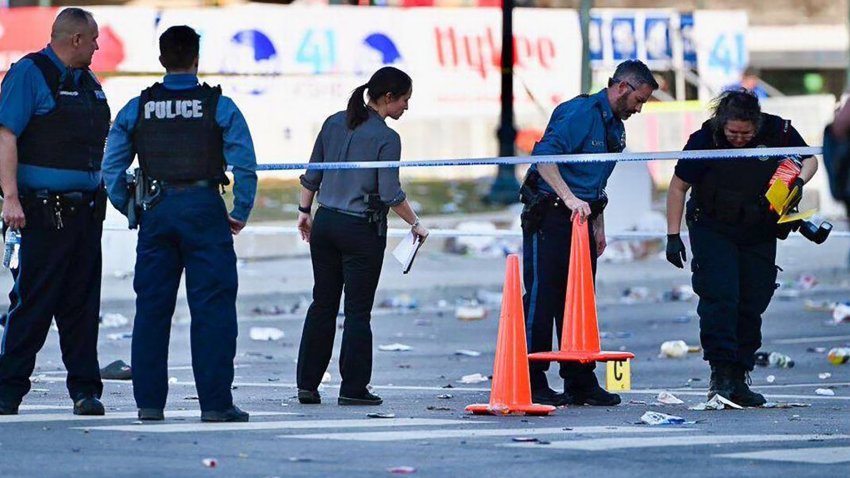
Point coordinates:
[[74, 37], [71, 21]]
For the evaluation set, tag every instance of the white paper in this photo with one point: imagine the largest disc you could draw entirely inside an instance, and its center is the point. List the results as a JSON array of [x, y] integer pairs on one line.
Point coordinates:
[[405, 251]]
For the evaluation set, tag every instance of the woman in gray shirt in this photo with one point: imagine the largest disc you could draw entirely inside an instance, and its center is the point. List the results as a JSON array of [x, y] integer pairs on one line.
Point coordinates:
[[348, 236]]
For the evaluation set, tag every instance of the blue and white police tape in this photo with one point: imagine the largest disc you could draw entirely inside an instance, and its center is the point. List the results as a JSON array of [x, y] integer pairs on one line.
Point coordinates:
[[715, 154], [261, 230]]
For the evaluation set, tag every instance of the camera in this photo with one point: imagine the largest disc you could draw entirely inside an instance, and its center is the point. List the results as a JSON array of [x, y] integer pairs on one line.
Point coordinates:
[[816, 230]]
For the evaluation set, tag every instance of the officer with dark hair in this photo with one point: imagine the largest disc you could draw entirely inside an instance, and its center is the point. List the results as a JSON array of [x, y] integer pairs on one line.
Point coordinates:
[[733, 234], [53, 124], [555, 194], [185, 135]]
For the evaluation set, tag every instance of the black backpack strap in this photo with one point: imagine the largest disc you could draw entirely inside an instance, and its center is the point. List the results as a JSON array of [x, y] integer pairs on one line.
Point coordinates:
[[49, 71]]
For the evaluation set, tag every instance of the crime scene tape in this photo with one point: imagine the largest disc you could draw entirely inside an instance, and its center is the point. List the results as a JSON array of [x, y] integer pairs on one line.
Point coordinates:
[[722, 154], [435, 233]]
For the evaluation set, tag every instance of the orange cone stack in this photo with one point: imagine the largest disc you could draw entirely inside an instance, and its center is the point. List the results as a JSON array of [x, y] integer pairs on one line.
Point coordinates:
[[511, 389], [580, 339]]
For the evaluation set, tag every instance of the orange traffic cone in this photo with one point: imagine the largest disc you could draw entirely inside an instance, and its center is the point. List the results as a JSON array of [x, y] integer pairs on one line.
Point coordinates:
[[580, 337], [511, 389]]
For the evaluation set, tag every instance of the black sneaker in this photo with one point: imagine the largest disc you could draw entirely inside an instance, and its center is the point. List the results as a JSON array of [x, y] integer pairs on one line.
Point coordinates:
[[365, 399], [547, 396], [232, 414], [721, 382], [8, 408], [89, 406], [151, 414], [309, 397], [741, 393], [594, 396]]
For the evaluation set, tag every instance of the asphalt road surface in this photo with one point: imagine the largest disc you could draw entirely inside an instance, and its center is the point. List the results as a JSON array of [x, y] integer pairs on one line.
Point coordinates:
[[433, 435]]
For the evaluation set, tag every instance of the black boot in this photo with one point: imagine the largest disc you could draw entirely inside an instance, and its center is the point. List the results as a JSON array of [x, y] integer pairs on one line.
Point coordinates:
[[547, 396], [741, 393], [582, 388], [722, 381]]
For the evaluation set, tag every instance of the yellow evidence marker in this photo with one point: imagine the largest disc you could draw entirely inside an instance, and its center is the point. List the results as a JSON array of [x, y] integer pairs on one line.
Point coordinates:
[[618, 375]]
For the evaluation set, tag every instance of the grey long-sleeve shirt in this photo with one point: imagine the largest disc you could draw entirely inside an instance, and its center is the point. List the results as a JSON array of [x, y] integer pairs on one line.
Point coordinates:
[[343, 189]]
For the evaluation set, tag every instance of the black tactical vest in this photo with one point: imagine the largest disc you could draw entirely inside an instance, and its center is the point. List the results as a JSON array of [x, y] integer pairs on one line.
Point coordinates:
[[73, 135], [732, 191], [177, 137]]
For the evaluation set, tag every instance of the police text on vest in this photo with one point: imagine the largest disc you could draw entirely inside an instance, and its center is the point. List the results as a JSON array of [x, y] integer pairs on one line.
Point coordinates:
[[168, 109]]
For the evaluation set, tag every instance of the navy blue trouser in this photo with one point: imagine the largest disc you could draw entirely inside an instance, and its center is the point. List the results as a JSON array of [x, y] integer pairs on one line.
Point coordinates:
[[347, 254], [188, 230], [734, 275], [58, 277], [546, 259]]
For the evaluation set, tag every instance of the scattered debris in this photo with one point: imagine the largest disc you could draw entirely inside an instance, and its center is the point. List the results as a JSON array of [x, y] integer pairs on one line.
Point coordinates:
[[172, 380], [112, 320], [445, 396], [402, 470], [269, 310], [473, 378], [668, 398], [326, 378], [434, 408], [680, 293], [824, 376], [266, 333], [380, 415], [807, 281], [400, 301], [525, 439], [120, 336], [396, 347], [489, 298], [816, 350], [839, 355], [827, 392], [770, 378], [471, 311], [773, 359], [657, 418], [117, 370], [467, 353], [674, 349], [299, 459], [717, 402], [841, 313], [633, 295], [210, 462], [785, 405], [819, 306], [638, 402]]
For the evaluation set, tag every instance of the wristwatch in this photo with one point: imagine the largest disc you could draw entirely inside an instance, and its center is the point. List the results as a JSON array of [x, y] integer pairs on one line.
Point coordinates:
[[305, 210]]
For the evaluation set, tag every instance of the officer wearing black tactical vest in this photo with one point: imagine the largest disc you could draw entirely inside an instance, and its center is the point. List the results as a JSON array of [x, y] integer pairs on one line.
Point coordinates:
[[733, 234], [185, 135], [53, 124]]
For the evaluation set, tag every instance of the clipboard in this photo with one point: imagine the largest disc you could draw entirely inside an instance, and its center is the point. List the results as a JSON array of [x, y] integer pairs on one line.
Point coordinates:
[[405, 251]]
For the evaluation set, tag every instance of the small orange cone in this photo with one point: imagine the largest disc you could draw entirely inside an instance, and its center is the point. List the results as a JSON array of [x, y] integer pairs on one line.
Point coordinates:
[[511, 389], [580, 338]]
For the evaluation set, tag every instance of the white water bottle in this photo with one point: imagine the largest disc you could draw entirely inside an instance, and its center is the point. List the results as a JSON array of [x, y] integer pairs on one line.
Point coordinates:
[[13, 245]]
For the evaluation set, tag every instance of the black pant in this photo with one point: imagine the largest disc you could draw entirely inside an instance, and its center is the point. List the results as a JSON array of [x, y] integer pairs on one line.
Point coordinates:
[[58, 276], [347, 254], [546, 259], [734, 275]]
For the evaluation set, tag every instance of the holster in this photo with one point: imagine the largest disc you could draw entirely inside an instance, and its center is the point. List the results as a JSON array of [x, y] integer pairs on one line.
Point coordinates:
[[145, 194], [377, 211], [537, 203]]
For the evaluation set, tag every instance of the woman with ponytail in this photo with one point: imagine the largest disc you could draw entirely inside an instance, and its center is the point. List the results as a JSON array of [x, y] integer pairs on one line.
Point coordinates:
[[348, 235]]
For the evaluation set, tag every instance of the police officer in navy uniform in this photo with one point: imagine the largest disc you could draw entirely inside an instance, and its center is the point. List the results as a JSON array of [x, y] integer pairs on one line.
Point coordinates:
[[554, 194], [733, 234], [185, 135], [53, 124]]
